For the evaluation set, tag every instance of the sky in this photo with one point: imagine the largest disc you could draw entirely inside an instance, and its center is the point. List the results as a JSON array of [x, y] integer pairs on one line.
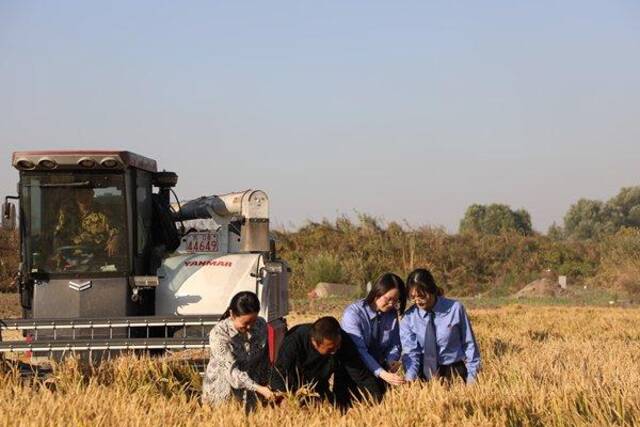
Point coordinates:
[[407, 111]]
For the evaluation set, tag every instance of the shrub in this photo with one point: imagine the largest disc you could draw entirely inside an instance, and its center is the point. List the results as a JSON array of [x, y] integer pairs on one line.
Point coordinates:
[[324, 267], [9, 259], [620, 266]]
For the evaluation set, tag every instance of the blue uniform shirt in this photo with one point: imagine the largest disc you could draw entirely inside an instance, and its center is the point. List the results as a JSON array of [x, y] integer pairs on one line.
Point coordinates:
[[454, 336], [357, 320]]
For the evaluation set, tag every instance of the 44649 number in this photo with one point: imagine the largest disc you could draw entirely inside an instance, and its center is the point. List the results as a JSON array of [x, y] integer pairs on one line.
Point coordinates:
[[201, 242]]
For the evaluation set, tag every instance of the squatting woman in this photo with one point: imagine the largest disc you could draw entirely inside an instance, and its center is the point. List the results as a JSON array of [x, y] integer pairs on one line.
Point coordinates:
[[436, 335], [372, 323], [239, 362]]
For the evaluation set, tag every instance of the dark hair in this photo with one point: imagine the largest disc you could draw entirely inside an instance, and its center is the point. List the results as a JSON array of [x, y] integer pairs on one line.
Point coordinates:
[[384, 284], [326, 328], [423, 281], [242, 303]]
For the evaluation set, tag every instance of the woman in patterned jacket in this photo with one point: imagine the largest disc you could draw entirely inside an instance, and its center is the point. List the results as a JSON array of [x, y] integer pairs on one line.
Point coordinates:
[[239, 361]]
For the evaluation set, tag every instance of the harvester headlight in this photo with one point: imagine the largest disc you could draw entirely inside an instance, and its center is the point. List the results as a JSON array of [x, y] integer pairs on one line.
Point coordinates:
[[25, 164], [87, 162], [47, 163], [109, 162]]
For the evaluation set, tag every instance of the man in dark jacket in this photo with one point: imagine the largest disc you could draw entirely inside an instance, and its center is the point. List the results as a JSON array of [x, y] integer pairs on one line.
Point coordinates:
[[311, 353]]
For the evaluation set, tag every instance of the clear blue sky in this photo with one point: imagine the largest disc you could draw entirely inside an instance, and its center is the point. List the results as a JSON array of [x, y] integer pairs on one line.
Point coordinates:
[[404, 110]]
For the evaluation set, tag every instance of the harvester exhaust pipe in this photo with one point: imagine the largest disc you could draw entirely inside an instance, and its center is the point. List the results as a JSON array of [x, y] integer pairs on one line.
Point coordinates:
[[251, 205]]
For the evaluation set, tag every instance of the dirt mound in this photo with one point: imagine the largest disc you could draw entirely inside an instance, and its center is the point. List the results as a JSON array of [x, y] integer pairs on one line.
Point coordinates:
[[325, 290], [539, 288]]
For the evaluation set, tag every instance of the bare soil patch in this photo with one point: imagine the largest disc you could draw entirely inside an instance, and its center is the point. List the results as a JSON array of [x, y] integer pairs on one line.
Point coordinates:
[[541, 288]]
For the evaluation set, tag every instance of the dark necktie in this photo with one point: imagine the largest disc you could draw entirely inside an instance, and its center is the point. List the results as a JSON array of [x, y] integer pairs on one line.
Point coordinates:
[[430, 360], [376, 333]]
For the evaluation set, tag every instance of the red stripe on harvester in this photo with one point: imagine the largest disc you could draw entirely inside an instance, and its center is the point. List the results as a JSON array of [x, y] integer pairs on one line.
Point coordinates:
[[271, 341]]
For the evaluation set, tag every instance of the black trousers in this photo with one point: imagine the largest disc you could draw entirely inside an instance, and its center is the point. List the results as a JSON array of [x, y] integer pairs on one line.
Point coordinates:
[[346, 390], [453, 371]]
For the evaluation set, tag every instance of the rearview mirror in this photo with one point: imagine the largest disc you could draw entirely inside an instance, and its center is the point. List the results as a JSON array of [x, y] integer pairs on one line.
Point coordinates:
[[8, 216]]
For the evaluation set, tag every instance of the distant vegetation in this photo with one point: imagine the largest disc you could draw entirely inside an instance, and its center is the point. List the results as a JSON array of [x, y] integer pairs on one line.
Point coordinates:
[[496, 219], [593, 219], [324, 267], [495, 253], [8, 259], [467, 263]]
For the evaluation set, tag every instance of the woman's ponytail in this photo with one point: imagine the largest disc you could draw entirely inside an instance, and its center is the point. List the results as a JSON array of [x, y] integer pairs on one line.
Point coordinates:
[[242, 303]]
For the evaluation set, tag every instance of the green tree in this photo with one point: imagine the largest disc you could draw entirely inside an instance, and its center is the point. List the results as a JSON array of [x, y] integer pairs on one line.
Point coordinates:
[[624, 209], [496, 219], [593, 219], [555, 232], [585, 219]]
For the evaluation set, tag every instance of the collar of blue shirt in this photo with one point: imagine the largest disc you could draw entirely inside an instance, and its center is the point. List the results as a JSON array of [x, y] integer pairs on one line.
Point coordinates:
[[443, 306], [371, 314]]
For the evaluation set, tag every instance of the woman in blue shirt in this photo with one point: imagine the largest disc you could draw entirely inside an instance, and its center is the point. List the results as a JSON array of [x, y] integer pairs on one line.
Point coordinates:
[[436, 335], [372, 323]]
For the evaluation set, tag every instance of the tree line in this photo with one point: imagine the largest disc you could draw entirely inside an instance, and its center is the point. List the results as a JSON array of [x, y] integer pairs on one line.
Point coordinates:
[[585, 220]]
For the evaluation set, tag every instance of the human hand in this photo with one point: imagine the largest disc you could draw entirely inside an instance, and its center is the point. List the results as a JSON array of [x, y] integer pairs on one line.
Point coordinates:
[[391, 378], [265, 392]]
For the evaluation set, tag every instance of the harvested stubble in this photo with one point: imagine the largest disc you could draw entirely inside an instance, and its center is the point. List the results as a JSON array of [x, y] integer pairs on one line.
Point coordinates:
[[542, 366]]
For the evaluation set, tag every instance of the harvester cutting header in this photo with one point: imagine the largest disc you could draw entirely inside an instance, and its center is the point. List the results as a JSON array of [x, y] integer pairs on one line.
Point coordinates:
[[109, 263]]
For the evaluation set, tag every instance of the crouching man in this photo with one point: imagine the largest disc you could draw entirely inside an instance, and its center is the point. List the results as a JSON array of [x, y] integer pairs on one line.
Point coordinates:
[[311, 353]]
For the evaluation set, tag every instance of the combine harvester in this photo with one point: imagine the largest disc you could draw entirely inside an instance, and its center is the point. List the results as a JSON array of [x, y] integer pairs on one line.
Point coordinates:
[[109, 265]]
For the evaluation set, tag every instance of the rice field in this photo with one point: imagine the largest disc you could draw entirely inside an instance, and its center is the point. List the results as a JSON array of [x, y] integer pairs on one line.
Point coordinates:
[[542, 366]]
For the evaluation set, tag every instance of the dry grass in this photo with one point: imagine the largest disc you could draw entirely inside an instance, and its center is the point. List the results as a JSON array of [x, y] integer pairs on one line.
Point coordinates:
[[9, 305], [542, 366]]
